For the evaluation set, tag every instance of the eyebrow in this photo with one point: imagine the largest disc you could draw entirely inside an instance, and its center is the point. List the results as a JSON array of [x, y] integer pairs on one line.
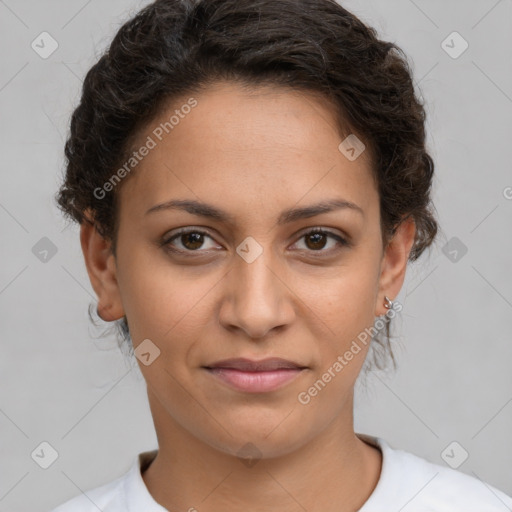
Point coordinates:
[[293, 214]]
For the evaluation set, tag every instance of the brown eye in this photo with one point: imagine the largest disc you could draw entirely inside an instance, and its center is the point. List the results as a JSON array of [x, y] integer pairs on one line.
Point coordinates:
[[192, 240], [195, 240], [317, 239], [187, 241]]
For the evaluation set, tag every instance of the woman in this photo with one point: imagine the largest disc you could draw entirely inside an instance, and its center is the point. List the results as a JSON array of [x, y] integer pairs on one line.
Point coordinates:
[[251, 180]]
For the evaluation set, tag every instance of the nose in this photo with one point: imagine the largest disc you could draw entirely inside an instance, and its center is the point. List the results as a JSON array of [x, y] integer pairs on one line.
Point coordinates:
[[256, 299]]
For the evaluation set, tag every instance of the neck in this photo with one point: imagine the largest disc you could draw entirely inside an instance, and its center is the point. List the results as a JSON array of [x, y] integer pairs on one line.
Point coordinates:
[[334, 471]]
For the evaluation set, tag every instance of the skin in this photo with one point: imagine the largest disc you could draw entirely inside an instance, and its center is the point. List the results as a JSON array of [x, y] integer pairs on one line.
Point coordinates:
[[252, 154]]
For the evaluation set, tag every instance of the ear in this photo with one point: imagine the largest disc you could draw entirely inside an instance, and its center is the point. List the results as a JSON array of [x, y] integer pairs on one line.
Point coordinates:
[[394, 264], [101, 267]]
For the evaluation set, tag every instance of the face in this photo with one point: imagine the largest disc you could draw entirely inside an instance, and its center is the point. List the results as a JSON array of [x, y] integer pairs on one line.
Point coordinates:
[[239, 271]]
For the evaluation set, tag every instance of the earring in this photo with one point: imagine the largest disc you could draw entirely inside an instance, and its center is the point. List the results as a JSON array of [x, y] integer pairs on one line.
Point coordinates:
[[388, 304]]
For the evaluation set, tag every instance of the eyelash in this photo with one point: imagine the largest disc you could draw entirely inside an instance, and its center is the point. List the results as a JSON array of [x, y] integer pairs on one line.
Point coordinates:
[[186, 231]]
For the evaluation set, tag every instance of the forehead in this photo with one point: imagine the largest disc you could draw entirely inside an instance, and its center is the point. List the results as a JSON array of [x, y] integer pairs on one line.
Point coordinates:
[[242, 146]]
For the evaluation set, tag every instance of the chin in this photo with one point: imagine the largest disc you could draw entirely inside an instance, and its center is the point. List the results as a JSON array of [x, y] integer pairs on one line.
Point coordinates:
[[261, 436]]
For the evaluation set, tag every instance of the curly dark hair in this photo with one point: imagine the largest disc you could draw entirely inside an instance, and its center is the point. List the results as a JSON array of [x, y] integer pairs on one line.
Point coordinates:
[[176, 47]]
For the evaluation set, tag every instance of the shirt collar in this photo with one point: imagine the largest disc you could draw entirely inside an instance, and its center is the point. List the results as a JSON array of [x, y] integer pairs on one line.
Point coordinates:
[[137, 495]]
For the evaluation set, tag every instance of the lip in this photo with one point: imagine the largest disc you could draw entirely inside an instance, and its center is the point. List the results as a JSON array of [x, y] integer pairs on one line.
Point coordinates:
[[251, 365], [255, 376]]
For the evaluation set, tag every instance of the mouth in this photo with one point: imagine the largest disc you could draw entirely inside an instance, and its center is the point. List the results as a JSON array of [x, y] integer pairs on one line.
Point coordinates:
[[255, 376]]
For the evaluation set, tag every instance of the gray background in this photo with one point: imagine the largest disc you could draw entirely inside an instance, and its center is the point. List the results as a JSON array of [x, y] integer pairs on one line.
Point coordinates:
[[62, 385]]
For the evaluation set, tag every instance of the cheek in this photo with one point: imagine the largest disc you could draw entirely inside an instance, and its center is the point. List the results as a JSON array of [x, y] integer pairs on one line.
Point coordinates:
[[347, 302], [159, 301], [163, 302], [152, 295], [347, 306]]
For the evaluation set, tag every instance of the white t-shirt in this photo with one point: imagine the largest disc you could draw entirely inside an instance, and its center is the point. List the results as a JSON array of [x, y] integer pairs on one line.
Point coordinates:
[[407, 483]]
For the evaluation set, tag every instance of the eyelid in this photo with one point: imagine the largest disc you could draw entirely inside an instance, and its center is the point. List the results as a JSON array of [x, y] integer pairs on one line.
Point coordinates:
[[324, 229], [343, 239]]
